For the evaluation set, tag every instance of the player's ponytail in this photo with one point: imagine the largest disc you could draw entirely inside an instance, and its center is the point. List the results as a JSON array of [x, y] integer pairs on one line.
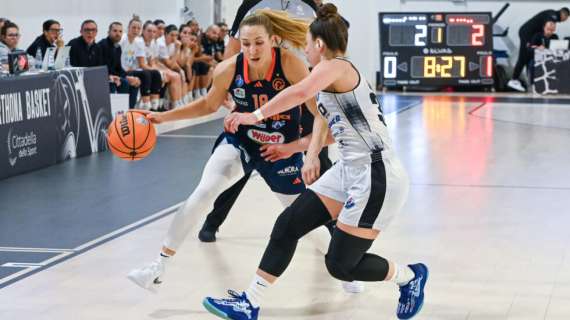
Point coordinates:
[[279, 23], [330, 27]]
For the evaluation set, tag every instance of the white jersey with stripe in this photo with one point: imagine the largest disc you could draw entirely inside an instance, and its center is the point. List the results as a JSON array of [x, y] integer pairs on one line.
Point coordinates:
[[295, 8], [356, 122]]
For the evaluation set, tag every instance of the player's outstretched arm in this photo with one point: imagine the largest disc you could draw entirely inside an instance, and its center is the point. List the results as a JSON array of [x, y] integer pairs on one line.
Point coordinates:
[[206, 105]]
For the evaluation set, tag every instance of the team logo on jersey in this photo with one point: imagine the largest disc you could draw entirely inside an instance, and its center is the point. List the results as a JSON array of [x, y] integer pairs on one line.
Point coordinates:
[[278, 124], [349, 203], [239, 81], [337, 131], [263, 137], [288, 171], [239, 93], [278, 84], [335, 118]]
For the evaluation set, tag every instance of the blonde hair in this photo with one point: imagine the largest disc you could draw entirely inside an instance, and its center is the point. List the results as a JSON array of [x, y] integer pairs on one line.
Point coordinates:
[[279, 23]]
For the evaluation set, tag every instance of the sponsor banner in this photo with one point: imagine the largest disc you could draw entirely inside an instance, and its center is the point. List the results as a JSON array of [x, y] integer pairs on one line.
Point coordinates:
[[48, 118]]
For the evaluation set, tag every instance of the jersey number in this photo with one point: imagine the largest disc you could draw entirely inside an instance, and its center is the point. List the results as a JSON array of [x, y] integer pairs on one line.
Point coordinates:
[[260, 99]]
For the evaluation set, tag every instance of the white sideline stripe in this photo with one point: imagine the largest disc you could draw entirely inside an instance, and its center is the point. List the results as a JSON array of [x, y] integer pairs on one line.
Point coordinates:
[[37, 250], [21, 265], [187, 136], [29, 267]]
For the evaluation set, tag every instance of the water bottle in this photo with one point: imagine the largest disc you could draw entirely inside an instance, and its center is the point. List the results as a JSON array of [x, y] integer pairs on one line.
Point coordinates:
[[39, 59]]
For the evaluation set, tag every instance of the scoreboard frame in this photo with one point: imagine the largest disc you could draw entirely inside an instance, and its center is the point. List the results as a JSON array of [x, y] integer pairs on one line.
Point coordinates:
[[436, 49]]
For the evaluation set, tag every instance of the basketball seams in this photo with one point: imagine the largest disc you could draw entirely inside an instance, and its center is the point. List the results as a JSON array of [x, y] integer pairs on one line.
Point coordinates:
[[119, 135], [134, 133]]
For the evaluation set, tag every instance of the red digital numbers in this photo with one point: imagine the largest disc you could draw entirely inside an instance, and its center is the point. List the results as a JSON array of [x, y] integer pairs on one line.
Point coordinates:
[[477, 34]]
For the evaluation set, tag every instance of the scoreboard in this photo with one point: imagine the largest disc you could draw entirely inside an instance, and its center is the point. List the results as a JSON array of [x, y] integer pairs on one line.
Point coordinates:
[[436, 49]]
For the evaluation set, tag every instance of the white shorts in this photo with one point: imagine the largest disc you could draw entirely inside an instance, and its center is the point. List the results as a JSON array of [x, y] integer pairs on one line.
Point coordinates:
[[372, 193]]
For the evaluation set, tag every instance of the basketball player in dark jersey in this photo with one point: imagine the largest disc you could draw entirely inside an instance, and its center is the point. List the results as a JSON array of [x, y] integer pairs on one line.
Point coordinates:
[[363, 191], [302, 9], [252, 78]]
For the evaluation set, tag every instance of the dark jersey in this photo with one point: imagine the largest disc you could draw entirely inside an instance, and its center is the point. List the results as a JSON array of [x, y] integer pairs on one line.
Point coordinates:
[[250, 95]]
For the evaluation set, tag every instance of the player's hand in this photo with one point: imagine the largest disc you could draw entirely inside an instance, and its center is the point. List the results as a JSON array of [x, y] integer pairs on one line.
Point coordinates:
[[235, 119], [311, 170], [154, 117], [275, 152]]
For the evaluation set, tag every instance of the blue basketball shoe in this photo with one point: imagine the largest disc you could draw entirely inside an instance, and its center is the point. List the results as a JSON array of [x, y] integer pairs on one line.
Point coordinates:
[[237, 307], [412, 294]]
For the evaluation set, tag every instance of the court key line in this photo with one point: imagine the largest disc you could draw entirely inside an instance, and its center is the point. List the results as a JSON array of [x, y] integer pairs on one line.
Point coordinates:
[[32, 268]]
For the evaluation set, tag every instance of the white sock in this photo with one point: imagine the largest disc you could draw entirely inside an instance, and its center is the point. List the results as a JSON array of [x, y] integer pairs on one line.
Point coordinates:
[[256, 290], [145, 105], [179, 103], [196, 93], [403, 275], [164, 258], [154, 104], [204, 92]]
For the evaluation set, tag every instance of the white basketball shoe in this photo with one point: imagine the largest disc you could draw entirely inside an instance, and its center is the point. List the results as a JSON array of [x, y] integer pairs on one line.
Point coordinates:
[[149, 276]]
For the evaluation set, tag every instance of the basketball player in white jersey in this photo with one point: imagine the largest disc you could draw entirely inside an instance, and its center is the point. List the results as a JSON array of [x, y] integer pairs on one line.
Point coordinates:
[[363, 191]]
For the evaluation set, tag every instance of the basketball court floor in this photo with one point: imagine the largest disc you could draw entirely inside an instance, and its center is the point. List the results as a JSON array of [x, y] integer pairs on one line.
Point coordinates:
[[488, 212]]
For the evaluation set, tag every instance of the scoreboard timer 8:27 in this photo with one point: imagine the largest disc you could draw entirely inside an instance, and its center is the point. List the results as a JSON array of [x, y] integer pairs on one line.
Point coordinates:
[[436, 49]]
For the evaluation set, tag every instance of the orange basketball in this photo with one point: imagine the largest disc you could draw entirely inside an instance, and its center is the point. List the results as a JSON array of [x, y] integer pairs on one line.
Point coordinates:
[[131, 136]]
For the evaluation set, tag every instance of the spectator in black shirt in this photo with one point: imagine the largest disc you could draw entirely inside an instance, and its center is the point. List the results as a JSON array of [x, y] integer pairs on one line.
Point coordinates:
[[84, 51], [221, 43], [51, 38], [210, 42], [527, 30], [111, 56]]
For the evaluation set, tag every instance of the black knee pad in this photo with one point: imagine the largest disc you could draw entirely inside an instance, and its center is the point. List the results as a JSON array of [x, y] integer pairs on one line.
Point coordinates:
[[338, 268], [305, 214]]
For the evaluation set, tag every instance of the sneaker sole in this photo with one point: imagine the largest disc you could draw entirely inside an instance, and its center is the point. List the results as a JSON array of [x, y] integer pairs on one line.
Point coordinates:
[[213, 310]]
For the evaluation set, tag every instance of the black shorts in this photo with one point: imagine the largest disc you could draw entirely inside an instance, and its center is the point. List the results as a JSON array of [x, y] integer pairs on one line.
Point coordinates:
[[200, 68]]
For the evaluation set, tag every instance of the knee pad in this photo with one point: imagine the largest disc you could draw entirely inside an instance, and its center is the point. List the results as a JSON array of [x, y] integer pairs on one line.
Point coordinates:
[[305, 214], [338, 268]]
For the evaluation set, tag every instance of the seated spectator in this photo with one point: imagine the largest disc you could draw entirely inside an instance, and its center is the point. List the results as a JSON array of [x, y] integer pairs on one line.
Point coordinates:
[[169, 53], [84, 50], [119, 81], [185, 58], [150, 62], [160, 26], [222, 37], [51, 38], [194, 27], [210, 43], [132, 55], [9, 38]]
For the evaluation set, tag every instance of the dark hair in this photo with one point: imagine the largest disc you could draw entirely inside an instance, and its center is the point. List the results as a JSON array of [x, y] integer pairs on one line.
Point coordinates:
[[7, 25], [48, 23], [116, 23], [135, 18], [158, 21], [86, 22], [565, 10], [169, 28], [148, 23], [330, 27], [222, 24], [3, 20]]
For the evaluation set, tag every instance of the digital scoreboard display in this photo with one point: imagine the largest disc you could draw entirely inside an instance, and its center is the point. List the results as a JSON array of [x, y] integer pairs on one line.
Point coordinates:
[[436, 49]]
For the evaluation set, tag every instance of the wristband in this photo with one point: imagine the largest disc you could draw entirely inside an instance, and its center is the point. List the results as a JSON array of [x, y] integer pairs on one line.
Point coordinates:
[[257, 113]]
